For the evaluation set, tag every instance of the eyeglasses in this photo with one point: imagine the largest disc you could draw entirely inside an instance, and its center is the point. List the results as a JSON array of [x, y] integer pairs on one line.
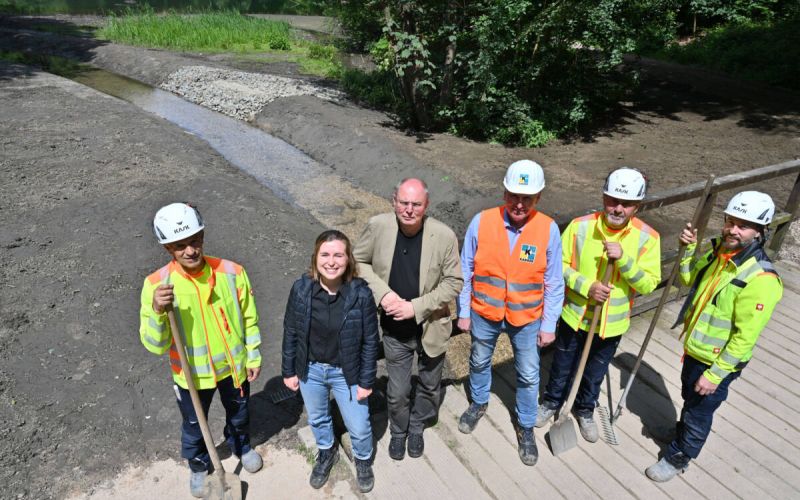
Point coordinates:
[[416, 205]]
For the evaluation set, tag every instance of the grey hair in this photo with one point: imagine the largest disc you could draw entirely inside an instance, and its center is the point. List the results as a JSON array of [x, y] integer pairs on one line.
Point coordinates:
[[397, 187]]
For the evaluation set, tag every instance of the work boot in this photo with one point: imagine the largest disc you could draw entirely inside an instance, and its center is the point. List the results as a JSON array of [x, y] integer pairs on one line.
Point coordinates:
[[528, 452], [322, 469], [543, 414], [251, 461], [662, 471], [416, 445], [469, 419], [197, 483], [588, 428], [364, 476], [397, 447]]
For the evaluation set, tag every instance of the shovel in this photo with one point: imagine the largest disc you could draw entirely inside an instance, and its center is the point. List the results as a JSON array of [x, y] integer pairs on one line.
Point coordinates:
[[667, 288], [220, 485], [562, 432]]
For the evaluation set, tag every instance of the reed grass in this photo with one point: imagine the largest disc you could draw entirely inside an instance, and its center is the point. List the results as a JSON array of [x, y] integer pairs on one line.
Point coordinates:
[[202, 32]]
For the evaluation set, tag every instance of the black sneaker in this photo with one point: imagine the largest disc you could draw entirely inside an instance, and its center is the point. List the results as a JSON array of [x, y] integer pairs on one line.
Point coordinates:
[[528, 452], [322, 469], [416, 445], [397, 448], [469, 419], [364, 476]]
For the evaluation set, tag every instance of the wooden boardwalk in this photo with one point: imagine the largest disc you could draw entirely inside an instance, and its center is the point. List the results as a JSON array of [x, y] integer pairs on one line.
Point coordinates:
[[753, 450]]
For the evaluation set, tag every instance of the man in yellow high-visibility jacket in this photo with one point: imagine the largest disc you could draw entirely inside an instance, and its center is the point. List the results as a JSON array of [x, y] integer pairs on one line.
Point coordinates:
[[734, 289], [588, 244], [216, 312]]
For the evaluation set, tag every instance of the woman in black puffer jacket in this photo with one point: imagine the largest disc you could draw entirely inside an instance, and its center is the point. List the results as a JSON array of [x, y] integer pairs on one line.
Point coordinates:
[[330, 344]]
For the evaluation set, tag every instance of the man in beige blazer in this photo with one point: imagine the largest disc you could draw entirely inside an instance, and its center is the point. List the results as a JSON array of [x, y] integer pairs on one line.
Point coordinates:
[[411, 262]]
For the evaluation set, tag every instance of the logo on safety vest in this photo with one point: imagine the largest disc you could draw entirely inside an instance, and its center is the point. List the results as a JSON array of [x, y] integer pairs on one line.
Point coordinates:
[[759, 307], [527, 253], [523, 179], [717, 350]]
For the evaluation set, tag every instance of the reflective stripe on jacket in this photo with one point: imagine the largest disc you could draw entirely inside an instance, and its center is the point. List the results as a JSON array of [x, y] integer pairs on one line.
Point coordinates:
[[730, 303], [639, 270], [510, 286], [217, 314]]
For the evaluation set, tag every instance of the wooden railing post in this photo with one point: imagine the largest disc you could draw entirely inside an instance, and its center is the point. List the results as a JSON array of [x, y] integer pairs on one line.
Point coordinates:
[[792, 205]]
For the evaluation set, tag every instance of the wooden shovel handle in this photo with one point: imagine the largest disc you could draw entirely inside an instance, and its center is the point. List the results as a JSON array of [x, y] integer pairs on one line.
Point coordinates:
[[177, 336], [576, 382]]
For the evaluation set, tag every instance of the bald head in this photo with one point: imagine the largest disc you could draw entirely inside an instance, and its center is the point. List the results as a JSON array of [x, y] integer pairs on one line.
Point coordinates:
[[410, 201]]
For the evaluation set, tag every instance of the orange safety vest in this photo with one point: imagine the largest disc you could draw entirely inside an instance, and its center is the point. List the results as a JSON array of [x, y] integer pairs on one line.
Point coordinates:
[[510, 286]]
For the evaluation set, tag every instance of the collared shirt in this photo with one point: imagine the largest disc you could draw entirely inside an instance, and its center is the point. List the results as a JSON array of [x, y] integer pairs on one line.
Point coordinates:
[[326, 320], [553, 274]]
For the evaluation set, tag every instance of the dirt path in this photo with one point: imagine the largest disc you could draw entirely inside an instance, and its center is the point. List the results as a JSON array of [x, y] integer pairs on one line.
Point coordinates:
[[80, 400]]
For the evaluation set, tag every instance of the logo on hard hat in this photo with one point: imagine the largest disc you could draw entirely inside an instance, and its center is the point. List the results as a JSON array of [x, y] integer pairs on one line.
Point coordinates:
[[739, 209], [181, 229], [523, 179]]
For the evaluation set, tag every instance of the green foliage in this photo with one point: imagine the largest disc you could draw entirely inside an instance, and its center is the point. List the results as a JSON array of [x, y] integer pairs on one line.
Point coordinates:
[[52, 64], [762, 52], [322, 60], [377, 89], [205, 31], [512, 71]]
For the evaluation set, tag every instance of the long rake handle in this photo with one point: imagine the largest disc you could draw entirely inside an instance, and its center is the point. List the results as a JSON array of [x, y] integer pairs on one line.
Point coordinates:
[[663, 300], [587, 345], [177, 336]]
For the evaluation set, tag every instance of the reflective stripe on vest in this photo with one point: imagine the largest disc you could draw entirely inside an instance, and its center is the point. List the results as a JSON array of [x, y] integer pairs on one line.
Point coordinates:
[[713, 329], [618, 307], [507, 285]]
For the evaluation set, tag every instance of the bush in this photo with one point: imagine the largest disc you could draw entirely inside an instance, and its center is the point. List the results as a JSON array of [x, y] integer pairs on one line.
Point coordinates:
[[514, 71], [764, 52]]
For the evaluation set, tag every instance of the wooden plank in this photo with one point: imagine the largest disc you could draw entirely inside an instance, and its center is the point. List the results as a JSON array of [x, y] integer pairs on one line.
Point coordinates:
[[442, 460], [601, 480], [755, 429], [489, 455], [745, 476]]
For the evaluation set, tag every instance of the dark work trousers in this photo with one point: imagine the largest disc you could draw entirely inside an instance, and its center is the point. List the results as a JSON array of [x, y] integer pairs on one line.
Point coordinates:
[[697, 414], [569, 346], [405, 418], [237, 420]]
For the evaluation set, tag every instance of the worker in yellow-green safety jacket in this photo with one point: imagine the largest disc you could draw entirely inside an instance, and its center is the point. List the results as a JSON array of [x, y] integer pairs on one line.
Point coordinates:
[[215, 309], [734, 289], [613, 236]]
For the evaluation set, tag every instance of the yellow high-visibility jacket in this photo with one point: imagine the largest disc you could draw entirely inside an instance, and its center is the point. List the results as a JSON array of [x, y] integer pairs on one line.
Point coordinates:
[[216, 312], [584, 261], [730, 302]]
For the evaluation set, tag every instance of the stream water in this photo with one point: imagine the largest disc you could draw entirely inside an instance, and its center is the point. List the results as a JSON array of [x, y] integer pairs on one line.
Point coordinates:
[[285, 170]]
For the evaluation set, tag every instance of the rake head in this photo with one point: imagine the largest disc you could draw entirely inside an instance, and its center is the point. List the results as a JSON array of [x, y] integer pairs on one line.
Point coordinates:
[[607, 432]]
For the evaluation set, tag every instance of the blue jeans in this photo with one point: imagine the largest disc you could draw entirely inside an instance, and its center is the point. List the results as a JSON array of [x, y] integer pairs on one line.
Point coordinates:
[[237, 420], [569, 347], [322, 379], [697, 414], [526, 361]]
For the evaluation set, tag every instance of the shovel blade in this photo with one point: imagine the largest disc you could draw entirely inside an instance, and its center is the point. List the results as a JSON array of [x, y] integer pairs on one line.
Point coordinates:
[[562, 436], [223, 486]]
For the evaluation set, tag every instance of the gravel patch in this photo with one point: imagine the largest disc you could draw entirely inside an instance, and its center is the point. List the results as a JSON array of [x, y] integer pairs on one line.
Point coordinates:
[[790, 249], [237, 93]]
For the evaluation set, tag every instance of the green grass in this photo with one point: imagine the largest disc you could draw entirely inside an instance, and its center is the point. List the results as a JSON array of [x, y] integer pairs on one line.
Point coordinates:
[[52, 64], [253, 39], [767, 53], [202, 32]]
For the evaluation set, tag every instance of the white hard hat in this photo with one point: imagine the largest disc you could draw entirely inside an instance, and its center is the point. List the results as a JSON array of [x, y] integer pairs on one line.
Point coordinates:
[[752, 206], [176, 221], [524, 177], [626, 184]]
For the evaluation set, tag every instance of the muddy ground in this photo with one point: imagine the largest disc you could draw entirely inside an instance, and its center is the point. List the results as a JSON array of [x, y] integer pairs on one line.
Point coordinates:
[[80, 399]]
